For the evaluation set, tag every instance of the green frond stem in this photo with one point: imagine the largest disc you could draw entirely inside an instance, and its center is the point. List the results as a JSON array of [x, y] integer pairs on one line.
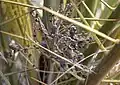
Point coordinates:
[[92, 15], [66, 18], [101, 46], [107, 5], [80, 14], [97, 19]]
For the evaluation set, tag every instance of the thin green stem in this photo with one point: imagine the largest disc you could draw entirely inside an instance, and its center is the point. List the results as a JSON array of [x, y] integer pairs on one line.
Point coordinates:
[[77, 77], [97, 19], [13, 35], [80, 14], [92, 15], [107, 5], [38, 81]]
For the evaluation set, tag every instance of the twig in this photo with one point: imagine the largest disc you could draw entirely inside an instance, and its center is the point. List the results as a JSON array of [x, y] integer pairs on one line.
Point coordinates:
[[96, 19], [92, 15], [13, 35], [38, 81], [107, 5]]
